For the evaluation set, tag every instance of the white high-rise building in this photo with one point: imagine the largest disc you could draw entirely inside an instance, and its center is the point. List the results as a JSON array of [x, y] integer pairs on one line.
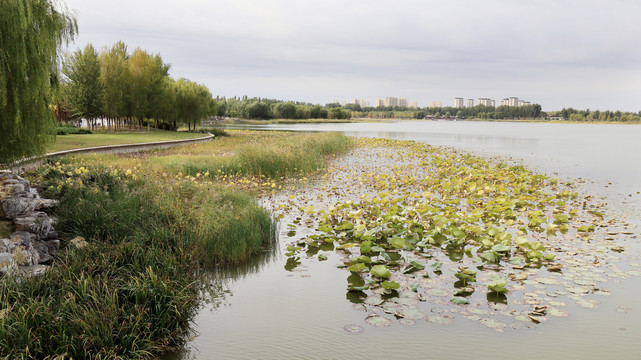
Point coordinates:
[[391, 101], [485, 101], [361, 102], [458, 102], [470, 103], [436, 104], [403, 102], [414, 104]]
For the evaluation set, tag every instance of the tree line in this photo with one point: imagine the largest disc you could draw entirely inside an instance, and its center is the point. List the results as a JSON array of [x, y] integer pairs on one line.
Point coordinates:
[[118, 89], [265, 109], [532, 111], [598, 115]]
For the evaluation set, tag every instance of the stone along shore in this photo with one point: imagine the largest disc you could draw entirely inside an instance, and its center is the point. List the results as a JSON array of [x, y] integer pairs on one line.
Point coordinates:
[[28, 241]]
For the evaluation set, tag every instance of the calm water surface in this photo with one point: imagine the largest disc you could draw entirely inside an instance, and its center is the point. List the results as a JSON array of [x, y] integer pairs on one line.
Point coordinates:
[[262, 311]]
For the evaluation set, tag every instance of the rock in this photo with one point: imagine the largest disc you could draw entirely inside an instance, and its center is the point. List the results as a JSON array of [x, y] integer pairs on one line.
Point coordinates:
[[24, 257], [6, 262], [47, 250], [32, 240], [41, 204], [22, 238], [13, 207], [38, 223], [4, 245], [12, 187]]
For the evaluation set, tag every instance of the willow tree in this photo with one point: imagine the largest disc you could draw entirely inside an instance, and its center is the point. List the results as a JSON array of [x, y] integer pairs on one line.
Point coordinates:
[[31, 34]]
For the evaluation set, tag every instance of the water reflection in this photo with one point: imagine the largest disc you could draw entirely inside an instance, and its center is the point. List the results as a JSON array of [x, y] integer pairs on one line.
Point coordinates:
[[217, 281], [496, 298]]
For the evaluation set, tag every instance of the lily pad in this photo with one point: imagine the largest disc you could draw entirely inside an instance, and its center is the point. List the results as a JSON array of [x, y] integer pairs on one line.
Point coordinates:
[[381, 271], [353, 329], [390, 285], [459, 300], [378, 321]]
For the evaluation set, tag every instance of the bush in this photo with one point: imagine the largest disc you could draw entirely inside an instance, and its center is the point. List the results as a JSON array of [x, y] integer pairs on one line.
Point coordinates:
[[68, 129]]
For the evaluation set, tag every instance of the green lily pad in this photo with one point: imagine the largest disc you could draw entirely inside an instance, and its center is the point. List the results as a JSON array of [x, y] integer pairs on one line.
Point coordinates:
[[390, 285], [357, 267], [380, 271], [459, 300]]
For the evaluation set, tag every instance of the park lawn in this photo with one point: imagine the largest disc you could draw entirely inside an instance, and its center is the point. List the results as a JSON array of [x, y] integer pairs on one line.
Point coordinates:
[[76, 141]]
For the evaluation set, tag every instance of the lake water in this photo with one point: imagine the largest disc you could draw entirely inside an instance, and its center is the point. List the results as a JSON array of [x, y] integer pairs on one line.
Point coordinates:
[[263, 311]]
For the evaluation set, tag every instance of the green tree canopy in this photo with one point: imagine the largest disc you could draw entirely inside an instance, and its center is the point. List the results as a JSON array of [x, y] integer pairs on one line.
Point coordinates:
[[31, 34], [82, 89]]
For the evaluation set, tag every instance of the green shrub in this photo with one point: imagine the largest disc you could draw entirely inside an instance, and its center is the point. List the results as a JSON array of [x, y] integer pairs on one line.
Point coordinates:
[[68, 129]]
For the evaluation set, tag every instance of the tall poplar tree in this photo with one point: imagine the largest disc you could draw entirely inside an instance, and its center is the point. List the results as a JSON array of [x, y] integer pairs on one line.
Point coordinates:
[[115, 80], [31, 34], [82, 89]]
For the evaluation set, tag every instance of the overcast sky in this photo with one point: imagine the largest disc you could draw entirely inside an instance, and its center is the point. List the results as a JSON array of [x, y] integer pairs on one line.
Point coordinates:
[[558, 53]]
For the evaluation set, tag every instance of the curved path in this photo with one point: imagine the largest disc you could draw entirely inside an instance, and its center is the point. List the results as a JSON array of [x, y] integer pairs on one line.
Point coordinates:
[[30, 163]]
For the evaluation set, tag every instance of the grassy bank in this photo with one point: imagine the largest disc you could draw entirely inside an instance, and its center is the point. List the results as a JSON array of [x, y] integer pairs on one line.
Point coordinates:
[[76, 141], [133, 289]]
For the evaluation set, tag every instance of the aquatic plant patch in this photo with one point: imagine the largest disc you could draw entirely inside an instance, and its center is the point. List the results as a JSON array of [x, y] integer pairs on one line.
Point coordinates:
[[442, 233]]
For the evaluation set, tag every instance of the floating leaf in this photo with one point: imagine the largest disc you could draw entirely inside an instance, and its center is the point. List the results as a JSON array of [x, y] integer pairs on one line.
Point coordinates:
[[378, 321], [380, 271], [397, 243], [390, 285], [459, 300], [500, 248], [357, 267]]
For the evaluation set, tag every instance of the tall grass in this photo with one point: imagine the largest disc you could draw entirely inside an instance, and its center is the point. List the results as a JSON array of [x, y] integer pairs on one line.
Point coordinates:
[[279, 156]]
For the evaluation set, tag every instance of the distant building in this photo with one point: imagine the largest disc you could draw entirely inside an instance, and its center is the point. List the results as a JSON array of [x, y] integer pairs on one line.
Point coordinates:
[[513, 101], [470, 103], [361, 102], [436, 104], [403, 102], [380, 102], [458, 102], [391, 101], [493, 103], [414, 104], [485, 101]]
